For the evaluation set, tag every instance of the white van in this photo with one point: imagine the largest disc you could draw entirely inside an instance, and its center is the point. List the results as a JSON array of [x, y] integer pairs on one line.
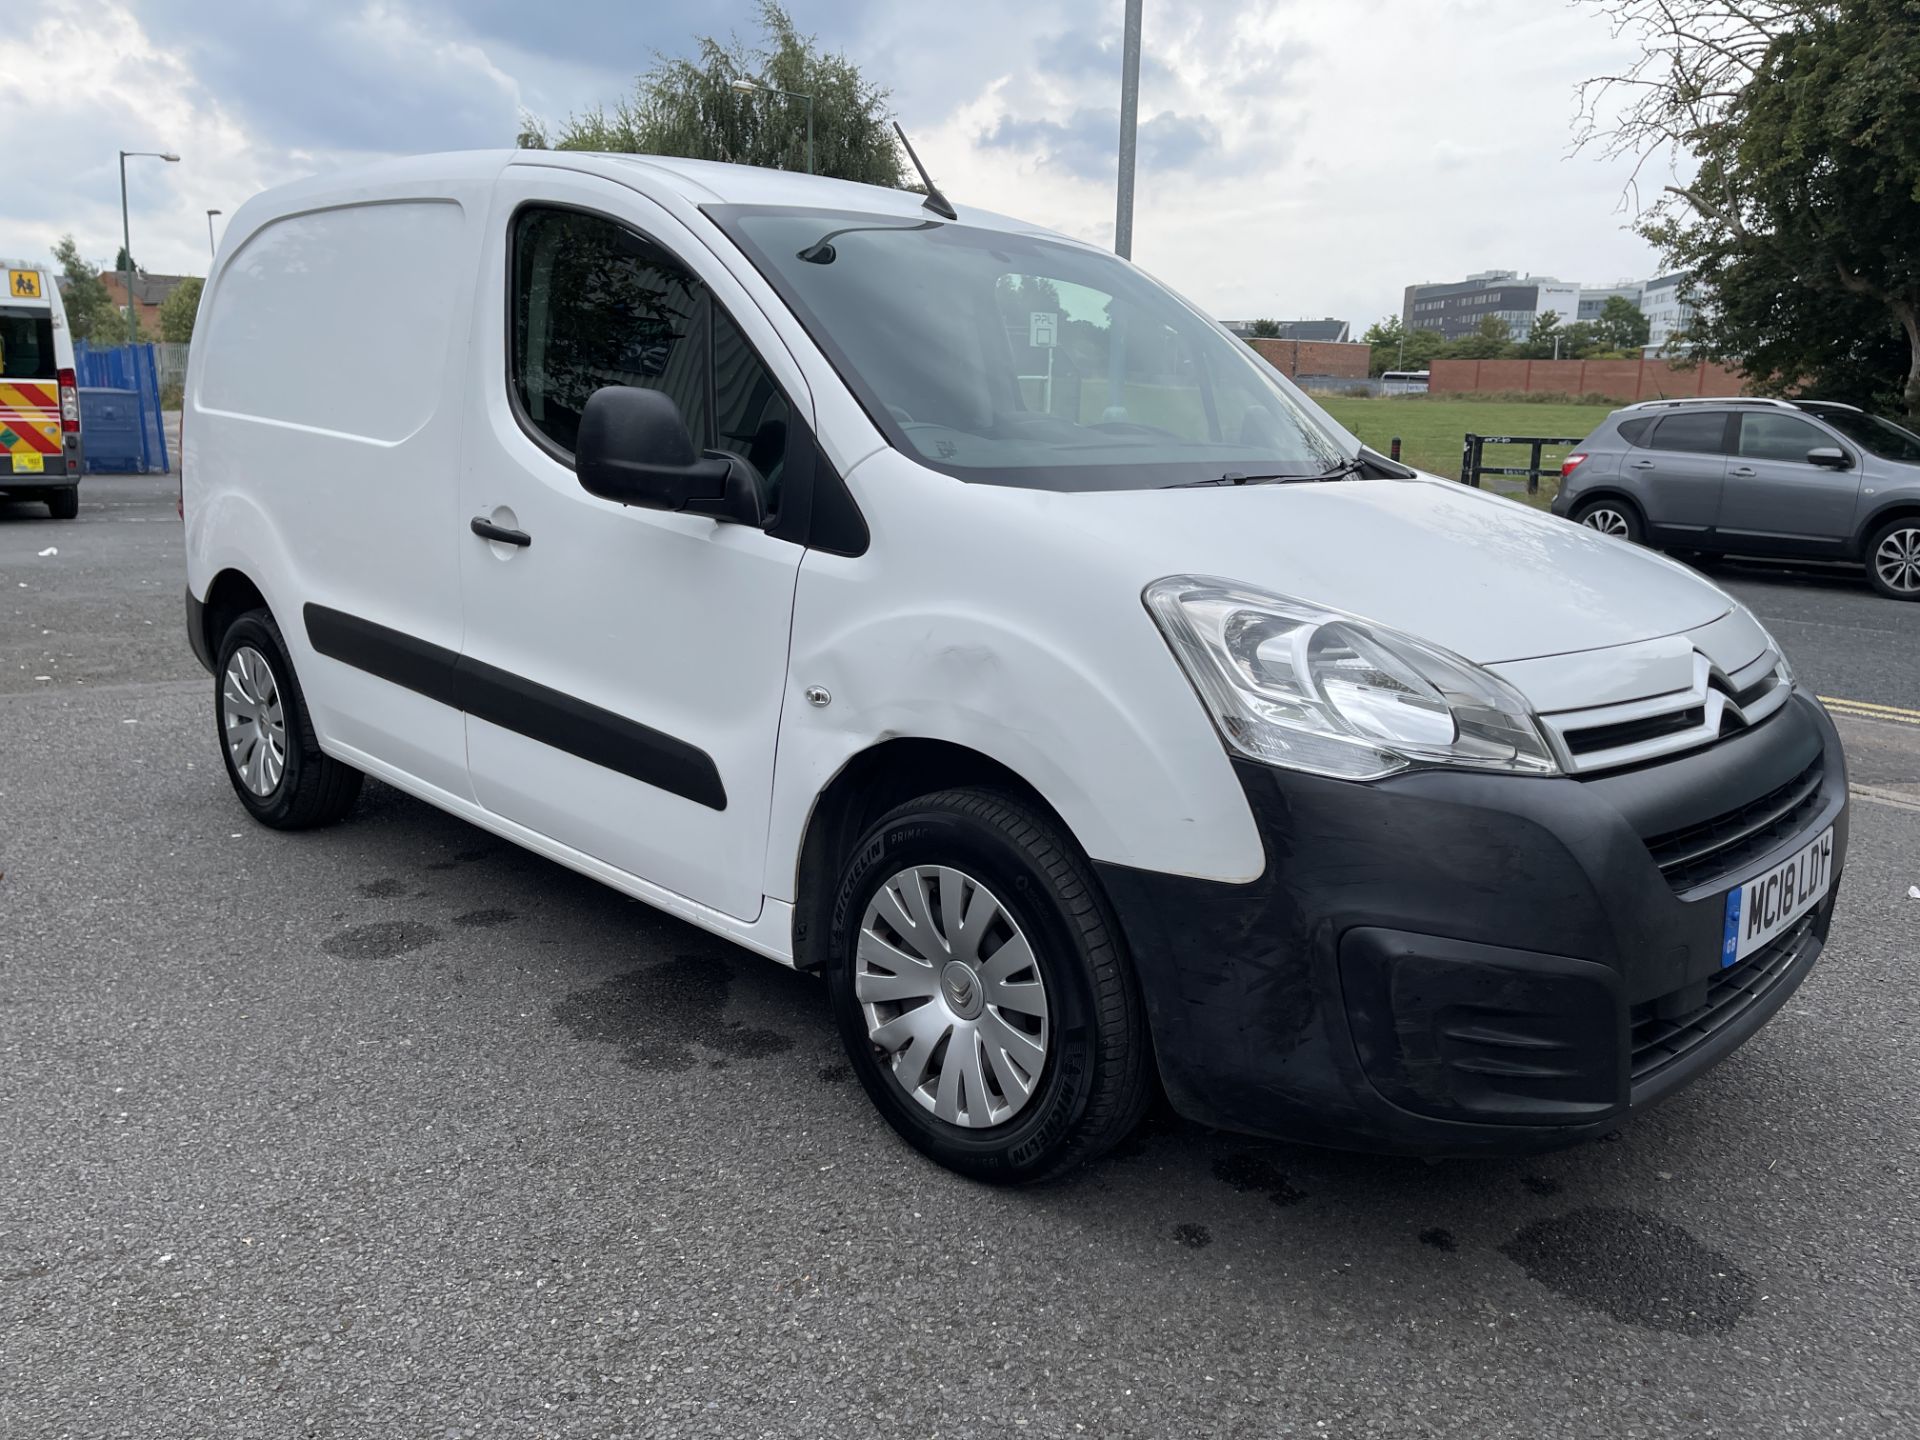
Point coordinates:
[[40, 450], [944, 606]]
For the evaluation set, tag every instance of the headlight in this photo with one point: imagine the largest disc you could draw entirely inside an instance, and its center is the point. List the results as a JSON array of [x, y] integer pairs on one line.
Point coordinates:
[[1312, 689]]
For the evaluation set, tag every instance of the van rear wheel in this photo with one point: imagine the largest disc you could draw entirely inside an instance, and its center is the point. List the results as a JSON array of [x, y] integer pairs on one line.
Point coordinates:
[[266, 737], [983, 992], [64, 504]]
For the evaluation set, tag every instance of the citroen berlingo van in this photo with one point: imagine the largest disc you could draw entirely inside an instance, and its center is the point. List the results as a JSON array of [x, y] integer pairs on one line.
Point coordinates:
[[944, 606]]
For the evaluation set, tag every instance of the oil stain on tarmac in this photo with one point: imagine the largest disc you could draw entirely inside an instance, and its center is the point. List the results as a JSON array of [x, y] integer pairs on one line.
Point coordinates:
[[1635, 1267], [661, 1016]]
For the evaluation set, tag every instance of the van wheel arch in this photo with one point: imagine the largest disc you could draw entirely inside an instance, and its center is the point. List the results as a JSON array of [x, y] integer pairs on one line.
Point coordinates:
[[230, 596], [870, 784]]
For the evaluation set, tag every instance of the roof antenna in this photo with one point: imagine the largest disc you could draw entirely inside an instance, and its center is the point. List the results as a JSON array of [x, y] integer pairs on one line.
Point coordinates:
[[935, 201]]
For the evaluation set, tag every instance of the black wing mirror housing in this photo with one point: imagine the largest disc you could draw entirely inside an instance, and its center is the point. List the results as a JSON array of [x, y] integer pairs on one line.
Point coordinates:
[[1829, 457], [634, 448]]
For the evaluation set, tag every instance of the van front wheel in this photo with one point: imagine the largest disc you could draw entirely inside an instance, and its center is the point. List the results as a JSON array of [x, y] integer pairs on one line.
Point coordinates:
[[266, 737], [983, 992]]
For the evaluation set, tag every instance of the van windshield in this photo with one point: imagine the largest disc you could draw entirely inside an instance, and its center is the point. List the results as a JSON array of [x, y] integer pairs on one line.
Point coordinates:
[[1017, 360], [26, 344]]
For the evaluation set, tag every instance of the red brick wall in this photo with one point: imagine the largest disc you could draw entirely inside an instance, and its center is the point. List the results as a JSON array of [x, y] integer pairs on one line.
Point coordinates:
[[116, 284], [1624, 380], [1293, 358]]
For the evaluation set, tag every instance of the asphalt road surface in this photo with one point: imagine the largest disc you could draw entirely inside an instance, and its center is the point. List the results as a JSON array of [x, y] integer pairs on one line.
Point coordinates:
[[396, 1130]]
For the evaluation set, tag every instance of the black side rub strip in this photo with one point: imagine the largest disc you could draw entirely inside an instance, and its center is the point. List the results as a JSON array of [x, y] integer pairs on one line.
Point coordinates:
[[518, 704], [391, 654]]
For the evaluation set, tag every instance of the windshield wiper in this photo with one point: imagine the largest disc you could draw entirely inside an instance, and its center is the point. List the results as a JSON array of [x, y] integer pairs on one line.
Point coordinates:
[[1234, 477], [1343, 469]]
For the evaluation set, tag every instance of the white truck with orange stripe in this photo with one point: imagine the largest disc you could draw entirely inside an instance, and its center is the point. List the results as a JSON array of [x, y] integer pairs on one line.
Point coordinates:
[[40, 446]]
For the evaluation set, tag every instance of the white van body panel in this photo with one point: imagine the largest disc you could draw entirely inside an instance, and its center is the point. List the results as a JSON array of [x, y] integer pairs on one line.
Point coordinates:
[[325, 404], [962, 624]]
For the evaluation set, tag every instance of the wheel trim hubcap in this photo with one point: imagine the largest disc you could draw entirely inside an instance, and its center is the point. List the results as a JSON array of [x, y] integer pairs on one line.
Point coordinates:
[[952, 996], [253, 721], [1897, 561], [1607, 522]]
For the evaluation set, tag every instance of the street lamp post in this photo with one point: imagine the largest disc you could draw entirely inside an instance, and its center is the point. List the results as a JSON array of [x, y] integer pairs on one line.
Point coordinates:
[[748, 87], [126, 235], [1129, 118], [211, 247]]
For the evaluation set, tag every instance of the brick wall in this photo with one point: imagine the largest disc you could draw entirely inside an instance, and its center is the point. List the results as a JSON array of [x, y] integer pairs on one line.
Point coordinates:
[[1294, 358], [116, 284], [1623, 380]]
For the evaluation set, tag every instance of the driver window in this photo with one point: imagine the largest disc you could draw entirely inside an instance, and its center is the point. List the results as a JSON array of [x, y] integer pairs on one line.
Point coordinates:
[[1778, 437], [595, 304]]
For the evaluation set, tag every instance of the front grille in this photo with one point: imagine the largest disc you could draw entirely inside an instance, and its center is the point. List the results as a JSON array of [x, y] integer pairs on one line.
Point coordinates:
[[1658, 1042], [1632, 732], [1718, 848], [1714, 707]]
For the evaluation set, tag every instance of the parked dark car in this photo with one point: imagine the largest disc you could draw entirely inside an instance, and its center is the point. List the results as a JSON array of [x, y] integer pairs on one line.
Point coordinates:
[[1806, 479]]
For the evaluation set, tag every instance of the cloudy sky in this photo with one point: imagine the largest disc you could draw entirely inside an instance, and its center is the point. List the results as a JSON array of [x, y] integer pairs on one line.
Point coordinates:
[[1297, 157]]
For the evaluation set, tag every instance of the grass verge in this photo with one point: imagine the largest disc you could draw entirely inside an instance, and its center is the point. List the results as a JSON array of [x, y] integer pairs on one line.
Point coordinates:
[[1431, 427]]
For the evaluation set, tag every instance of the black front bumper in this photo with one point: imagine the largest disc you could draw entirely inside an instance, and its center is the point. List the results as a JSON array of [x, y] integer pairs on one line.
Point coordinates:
[[1447, 962]]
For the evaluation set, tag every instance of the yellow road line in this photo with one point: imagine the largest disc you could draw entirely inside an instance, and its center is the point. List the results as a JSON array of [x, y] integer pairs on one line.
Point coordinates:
[[1868, 710]]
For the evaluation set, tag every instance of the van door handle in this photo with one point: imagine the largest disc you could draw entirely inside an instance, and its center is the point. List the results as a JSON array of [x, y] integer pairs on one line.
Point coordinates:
[[1741, 470], [487, 530], [1643, 465]]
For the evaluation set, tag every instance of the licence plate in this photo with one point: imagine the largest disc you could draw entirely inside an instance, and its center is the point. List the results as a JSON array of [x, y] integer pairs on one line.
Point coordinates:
[[1767, 904], [29, 464]]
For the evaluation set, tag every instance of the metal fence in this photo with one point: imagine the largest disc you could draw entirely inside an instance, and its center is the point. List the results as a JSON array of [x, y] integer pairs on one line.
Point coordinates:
[[172, 359], [1473, 453], [120, 407]]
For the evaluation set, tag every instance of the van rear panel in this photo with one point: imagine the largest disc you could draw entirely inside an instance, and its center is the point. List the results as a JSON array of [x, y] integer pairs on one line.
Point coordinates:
[[30, 439]]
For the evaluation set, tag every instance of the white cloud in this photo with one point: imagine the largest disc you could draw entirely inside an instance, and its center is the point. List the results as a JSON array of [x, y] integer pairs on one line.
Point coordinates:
[[1366, 144], [1329, 151]]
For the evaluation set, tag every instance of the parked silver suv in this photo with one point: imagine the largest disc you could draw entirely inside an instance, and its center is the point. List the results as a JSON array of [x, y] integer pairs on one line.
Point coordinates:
[[1805, 479]]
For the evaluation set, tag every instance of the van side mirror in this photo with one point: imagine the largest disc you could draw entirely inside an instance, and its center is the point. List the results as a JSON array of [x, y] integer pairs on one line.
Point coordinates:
[[1829, 457], [634, 448]]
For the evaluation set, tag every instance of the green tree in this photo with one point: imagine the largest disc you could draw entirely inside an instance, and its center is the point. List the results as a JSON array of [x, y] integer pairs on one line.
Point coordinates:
[[178, 310], [1384, 338], [1394, 347], [91, 313], [1546, 338], [1622, 326], [1492, 340], [693, 108], [1266, 329], [1800, 228], [1422, 349], [1579, 340]]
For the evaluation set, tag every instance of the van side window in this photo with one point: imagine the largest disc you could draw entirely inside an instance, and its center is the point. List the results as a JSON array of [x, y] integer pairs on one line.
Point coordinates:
[[751, 415], [1693, 433], [595, 304]]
